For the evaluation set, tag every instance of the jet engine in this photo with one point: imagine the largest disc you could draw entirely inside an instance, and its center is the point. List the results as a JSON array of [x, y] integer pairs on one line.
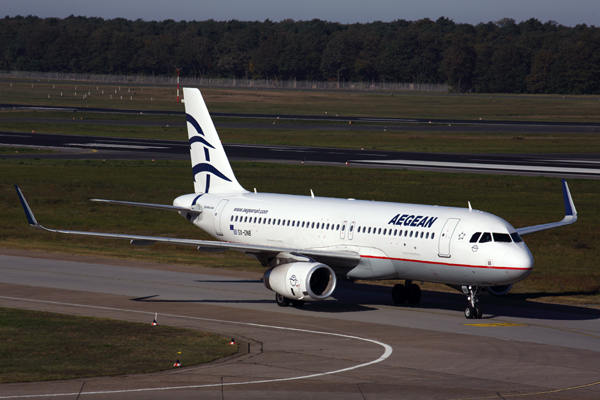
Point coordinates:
[[298, 280], [498, 290]]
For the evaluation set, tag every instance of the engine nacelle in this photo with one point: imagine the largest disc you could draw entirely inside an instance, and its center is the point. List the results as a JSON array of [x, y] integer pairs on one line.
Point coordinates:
[[498, 290], [298, 280]]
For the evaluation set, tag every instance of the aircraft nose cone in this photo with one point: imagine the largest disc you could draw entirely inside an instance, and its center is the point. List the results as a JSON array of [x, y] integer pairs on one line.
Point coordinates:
[[520, 260]]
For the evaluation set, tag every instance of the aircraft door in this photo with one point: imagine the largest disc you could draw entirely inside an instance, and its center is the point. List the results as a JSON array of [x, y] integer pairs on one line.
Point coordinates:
[[343, 230], [218, 212], [351, 230], [446, 236]]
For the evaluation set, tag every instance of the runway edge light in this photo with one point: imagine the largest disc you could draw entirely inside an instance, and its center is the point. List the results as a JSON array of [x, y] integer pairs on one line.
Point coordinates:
[[154, 323]]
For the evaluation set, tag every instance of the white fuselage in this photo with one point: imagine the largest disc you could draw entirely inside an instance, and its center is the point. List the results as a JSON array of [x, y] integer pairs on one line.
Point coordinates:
[[394, 240]]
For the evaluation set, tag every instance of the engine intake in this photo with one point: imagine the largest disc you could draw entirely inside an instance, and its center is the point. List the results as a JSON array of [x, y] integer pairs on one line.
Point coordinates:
[[498, 290], [300, 279]]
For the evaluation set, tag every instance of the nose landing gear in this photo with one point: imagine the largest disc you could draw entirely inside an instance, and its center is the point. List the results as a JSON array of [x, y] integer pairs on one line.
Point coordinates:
[[473, 310]]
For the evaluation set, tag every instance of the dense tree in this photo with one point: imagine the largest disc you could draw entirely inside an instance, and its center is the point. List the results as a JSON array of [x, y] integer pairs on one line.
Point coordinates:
[[502, 56]]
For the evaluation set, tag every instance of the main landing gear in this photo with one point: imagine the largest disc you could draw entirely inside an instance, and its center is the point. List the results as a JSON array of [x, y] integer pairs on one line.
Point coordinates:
[[409, 292], [283, 301], [473, 310]]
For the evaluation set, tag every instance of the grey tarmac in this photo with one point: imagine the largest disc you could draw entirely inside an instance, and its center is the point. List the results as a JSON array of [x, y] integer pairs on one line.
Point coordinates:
[[519, 350]]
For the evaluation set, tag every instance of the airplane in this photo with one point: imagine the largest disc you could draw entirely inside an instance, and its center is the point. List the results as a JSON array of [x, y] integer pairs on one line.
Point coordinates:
[[308, 242]]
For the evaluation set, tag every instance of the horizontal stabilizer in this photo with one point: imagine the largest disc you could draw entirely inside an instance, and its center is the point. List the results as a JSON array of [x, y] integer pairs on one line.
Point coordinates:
[[570, 214]]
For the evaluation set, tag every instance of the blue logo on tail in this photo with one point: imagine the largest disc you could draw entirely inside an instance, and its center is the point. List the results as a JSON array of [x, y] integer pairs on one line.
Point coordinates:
[[203, 167]]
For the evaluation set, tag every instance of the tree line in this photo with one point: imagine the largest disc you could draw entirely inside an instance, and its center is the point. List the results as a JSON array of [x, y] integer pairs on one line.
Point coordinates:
[[493, 57]]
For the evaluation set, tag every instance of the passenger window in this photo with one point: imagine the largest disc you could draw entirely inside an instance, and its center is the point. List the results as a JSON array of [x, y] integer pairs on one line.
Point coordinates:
[[293, 223], [327, 226], [384, 231], [246, 219], [369, 230], [411, 233], [288, 224], [427, 235], [485, 237], [475, 237], [231, 218], [502, 237], [405, 233], [313, 225], [236, 218], [432, 235], [351, 228], [269, 223], [338, 227], [400, 232], [379, 233], [278, 222], [421, 235], [515, 237], [260, 220], [395, 232]]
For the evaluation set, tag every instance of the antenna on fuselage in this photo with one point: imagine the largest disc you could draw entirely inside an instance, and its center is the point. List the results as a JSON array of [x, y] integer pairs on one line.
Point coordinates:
[[312, 194], [470, 208]]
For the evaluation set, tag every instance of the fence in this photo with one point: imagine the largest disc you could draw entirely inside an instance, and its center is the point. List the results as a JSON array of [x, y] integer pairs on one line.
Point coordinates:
[[230, 82]]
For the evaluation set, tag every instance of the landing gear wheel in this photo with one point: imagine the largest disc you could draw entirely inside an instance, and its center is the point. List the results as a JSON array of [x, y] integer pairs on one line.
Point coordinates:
[[470, 312], [473, 311], [414, 294], [297, 303], [282, 301], [399, 294]]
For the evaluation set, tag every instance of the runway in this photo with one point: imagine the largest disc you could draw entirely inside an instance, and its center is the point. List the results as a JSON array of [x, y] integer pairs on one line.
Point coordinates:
[[585, 166], [356, 345]]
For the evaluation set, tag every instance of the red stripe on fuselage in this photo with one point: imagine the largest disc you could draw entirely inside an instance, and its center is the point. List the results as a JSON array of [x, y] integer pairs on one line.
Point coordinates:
[[448, 264]]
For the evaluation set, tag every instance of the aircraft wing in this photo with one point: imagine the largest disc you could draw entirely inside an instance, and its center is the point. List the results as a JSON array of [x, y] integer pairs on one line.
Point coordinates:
[[570, 215], [341, 259], [149, 205]]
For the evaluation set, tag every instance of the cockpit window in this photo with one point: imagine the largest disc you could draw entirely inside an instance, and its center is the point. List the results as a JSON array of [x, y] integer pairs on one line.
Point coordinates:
[[515, 237], [475, 237], [502, 237], [485, 237]]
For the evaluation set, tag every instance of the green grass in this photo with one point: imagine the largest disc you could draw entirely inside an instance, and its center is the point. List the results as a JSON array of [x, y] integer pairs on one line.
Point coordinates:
[[40, 346], [23, 150], [58, 192], [372, 104]]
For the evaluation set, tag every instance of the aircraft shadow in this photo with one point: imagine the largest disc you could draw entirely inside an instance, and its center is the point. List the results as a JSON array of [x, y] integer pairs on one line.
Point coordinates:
[[232, 281], [511, 305]]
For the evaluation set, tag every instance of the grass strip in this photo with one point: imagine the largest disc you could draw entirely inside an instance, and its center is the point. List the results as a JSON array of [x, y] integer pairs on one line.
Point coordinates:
[[308, 102], [40, 346], [59, 192]]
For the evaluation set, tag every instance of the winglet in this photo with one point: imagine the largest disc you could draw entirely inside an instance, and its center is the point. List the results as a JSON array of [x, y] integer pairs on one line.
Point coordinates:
[[570, 214], [28, 213], [569, 205]]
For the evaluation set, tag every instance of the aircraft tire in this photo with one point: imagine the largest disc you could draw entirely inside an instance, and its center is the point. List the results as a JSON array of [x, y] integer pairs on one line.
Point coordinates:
[[399, 294], [281, 300], [413, 295], [478, 312], [470, 312]]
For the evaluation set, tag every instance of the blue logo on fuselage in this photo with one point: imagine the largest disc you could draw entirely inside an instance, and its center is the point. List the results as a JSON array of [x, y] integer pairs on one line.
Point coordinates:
[[416, 221]]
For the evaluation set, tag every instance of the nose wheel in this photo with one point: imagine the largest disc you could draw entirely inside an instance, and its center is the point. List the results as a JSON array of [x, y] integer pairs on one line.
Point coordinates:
[[473, 311]]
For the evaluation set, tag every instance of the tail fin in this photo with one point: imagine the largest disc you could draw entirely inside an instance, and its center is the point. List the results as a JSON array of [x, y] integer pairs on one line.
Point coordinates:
[[210, 166]]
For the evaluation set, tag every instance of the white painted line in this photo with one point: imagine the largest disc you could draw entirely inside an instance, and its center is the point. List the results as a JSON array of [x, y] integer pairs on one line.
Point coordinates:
[[531, 168], [386, 353], [121, 146]]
